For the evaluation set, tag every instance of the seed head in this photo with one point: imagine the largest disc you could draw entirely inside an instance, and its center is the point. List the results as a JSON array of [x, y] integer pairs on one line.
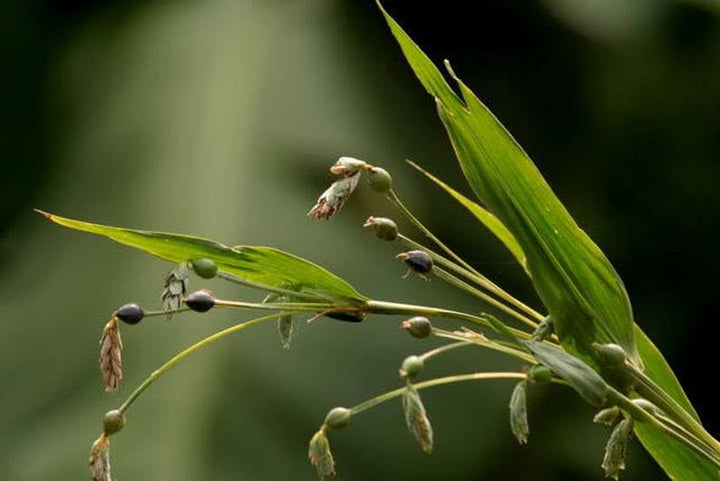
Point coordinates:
[[411, 367], [348, 166], [319, 454], [385, 228], [332, 200], [204, 267], [111, 355], [616, 449], [518, 413], [99, 461], [416, 418], [113, 421], [380, 180], [200, 301], [176, 286], [418, 261], [417, 326], [338, 418], [130, 313]]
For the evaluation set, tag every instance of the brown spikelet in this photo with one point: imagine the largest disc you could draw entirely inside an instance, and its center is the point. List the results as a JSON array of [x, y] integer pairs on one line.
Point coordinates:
[[99, 461], [111, 355]]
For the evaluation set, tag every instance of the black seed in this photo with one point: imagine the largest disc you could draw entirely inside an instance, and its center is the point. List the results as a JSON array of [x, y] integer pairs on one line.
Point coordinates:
[[130, 313], [417, 326], [200, 301], [346, 316], [419, 261]]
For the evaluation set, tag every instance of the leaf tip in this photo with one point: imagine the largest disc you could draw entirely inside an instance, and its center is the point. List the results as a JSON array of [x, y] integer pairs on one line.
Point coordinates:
[[47, 215]]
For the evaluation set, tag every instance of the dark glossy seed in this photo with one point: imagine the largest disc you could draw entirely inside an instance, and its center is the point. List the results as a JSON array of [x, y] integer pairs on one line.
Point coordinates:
[[418, 261], [130, 313], [417, 326], [200, 301]]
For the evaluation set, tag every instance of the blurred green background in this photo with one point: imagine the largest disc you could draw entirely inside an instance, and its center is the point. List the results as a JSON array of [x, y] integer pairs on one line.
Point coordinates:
[[220, 118]]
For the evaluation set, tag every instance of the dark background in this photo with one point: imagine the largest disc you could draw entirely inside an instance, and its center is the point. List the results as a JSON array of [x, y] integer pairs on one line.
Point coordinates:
[[220, 119]]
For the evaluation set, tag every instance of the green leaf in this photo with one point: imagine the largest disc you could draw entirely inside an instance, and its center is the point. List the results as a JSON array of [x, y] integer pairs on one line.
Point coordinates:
[[576, 282], [678, 461], [481, 214], [260, 265], [581, 377]]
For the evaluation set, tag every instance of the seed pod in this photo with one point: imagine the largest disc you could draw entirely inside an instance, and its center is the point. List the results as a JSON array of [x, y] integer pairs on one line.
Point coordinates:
[[539, 374], [130, 313], [411, 367], [616, 449], [385, 228], [113, 421], [319, 454], [200, 301], [418, 261], [348, 166], [204, 267], [380, 180], [612, 354], [338, 418], [417, 326], [416, 418], [607, 416], [518, 413]]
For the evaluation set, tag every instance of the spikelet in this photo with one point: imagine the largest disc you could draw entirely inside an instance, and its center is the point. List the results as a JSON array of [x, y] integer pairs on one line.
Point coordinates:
[[111, 355]]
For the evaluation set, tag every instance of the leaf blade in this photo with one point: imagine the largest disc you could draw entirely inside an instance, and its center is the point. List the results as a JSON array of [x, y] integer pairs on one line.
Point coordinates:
[[257, 264], [576, 282]]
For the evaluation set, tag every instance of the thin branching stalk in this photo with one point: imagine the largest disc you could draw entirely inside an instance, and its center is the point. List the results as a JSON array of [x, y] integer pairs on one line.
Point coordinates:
[[480, 340], [443, 349], [648, 389], [478, 278], [451, 279], [393, 197], [262, 287], [476, 376], [382, 307], [191, 350]]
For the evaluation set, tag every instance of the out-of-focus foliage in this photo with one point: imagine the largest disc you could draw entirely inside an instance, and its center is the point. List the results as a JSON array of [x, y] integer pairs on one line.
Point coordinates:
[[221, 118]]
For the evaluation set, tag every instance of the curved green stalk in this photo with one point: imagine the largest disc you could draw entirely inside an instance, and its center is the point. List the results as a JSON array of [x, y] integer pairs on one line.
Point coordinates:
[[382, 307], [481, 340], [478, 278], [396, 200], [443, 349], [191, 350], [446, 276], [477, 376]]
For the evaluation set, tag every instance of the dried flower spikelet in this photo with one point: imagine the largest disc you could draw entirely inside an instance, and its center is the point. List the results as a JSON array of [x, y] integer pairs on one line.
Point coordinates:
[[416, 418], [176, 287], [332, 200], [616, 449], [518, 413], [319, 454], [285, 323], [111, 355], [348, 166], [99, 461], [607, 416]]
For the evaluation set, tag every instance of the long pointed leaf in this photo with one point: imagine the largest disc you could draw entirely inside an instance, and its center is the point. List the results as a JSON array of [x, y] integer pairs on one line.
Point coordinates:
[[577, 283], [261, 265], [483, 215]]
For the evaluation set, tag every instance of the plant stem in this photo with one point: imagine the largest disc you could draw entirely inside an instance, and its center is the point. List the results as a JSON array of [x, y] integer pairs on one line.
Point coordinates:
[[191, 350], [253, 285], [393, 197], [296, 306], [477, 376], [648, 389], [671, 429], [478, 278], [442, 349], [480, 340], [382, 307], [446, 276]]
